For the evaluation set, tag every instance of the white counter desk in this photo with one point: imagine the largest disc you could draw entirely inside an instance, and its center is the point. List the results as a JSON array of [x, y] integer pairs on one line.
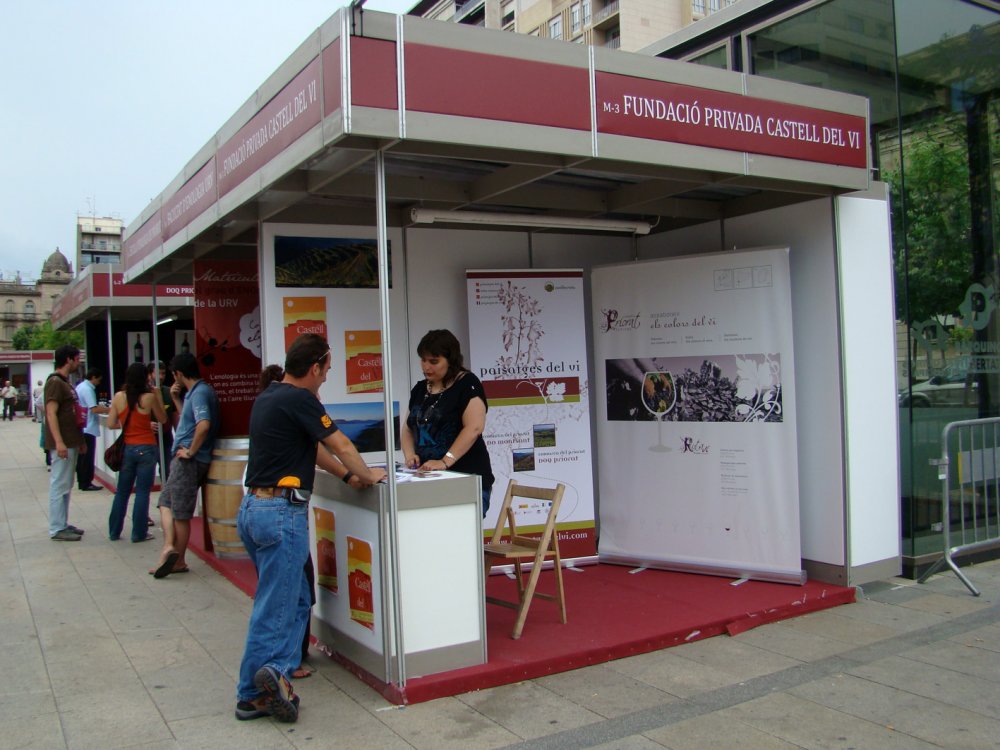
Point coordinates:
[[104, 440], [441, 571], [101, 471]]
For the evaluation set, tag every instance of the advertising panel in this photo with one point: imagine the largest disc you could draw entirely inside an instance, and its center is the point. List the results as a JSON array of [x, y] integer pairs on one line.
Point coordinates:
[[696, 420], [528, 348], [324, 280], [672, 112], [227, 333], [289, 115]]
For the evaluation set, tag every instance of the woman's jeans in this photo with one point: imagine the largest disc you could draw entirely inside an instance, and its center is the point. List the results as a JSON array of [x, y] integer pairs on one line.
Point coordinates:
[[138, 468], [276, 534]]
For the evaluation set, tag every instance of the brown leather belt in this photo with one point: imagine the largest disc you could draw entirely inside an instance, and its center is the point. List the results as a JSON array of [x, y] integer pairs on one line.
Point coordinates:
[[284, 492]]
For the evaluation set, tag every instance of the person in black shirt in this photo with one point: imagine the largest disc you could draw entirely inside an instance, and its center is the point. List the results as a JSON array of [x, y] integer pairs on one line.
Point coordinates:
[[447, 414], [325, 461], [287, 422]]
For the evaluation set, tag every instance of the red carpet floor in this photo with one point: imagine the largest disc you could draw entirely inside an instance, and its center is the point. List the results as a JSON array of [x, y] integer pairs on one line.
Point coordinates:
[[612, 612]]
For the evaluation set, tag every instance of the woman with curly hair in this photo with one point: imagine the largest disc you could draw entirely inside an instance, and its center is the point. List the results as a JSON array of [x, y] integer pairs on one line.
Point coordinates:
[[447, 413]]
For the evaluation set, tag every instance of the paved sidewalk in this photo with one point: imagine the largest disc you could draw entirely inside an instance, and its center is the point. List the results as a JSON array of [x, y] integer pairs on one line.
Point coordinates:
[[97, 654]]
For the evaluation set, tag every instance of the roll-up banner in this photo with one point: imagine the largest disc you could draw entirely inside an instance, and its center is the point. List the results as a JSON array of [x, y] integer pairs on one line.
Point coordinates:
[[528, 347], [227, 337], [696, 438]]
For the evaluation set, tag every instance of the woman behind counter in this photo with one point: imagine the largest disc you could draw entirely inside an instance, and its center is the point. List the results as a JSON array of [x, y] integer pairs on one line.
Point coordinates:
[[141, 451], [447, 413]]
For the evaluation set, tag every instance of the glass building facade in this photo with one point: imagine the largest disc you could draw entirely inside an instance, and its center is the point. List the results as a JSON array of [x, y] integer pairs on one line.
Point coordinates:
[[931, 70]]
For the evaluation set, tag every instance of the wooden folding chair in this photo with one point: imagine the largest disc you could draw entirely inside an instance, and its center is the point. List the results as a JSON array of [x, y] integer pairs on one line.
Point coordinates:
[[523, 548]]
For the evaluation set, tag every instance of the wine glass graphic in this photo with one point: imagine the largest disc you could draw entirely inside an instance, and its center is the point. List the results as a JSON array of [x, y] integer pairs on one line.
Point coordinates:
[[658, 396]]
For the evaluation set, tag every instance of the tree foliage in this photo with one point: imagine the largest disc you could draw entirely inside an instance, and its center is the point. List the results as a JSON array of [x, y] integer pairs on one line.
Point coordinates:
[[934, 269], [43, 336]]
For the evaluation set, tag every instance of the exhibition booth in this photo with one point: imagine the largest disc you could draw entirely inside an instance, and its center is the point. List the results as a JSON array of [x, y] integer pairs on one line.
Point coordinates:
[[24, 369], [123, 323], [672, 281]]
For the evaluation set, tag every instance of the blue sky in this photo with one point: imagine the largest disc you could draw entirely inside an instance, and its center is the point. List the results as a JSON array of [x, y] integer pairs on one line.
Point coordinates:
[[104, 102]]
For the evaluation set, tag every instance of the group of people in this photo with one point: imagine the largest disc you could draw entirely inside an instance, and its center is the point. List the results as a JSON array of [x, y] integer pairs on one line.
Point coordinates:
[[290, 435], [186, 441]]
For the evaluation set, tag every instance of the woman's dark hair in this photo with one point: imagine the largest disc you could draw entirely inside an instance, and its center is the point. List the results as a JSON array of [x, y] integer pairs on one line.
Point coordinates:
[[442, 343], [270, 374], [307, 350], [135, 383]]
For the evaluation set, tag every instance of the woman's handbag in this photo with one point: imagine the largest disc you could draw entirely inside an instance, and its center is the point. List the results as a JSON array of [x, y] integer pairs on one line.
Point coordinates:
[[114, 455]]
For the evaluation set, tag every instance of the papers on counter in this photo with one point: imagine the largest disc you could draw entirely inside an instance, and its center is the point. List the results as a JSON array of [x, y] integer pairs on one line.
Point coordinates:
[[404, 474]]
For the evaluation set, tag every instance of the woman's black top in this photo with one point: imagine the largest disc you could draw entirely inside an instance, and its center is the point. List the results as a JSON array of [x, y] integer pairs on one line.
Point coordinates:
[[436, 419]]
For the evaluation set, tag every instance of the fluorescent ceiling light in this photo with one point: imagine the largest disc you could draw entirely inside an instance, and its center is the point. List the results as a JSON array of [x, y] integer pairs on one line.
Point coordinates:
[[485, 218], [168, 319]]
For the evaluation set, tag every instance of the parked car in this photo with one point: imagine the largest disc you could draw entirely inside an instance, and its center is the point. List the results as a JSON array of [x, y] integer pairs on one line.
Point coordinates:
[[947, 389]]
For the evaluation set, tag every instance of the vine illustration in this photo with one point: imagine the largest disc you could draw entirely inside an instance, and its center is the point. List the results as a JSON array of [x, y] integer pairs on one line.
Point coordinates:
[[207, 357], [522, 332], [758, 384], [551, 391]]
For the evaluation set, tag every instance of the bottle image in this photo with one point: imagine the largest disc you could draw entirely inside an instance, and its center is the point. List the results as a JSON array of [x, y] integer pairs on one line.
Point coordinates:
[[185, 346], [137, 350]]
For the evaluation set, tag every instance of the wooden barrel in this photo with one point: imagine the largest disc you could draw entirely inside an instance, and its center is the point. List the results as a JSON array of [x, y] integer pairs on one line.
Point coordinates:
[[223, 494]]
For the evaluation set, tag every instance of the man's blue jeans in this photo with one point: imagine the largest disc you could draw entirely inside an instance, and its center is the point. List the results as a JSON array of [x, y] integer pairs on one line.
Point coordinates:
[[60, 485], [138, 468], [276, 534]]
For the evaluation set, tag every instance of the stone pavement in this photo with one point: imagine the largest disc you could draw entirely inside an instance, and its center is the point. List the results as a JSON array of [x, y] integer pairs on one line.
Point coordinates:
[[95, 653]]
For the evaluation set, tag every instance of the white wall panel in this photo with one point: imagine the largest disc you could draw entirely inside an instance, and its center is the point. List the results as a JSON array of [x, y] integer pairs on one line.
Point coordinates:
[[869, 346], [806, 228], [436, 261]]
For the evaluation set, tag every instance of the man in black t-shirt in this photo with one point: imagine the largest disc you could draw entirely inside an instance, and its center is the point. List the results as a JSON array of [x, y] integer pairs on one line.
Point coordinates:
[[286, 424]]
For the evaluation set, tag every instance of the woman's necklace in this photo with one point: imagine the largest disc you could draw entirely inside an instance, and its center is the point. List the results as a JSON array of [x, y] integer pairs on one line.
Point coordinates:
[[427, 410]]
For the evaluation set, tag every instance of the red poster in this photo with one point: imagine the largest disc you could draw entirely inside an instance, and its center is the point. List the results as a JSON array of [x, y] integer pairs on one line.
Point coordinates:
[[227, 337], [303, 315], [359, 582], [363, 350], [326, 550]]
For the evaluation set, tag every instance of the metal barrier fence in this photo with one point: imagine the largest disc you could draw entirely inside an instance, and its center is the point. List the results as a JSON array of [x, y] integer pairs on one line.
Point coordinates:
[[969, 470]]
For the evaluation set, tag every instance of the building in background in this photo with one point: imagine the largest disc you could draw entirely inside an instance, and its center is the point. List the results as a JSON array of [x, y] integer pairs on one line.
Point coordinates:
[[98, 240], [931, 70], [25, 303], [620, 24]]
